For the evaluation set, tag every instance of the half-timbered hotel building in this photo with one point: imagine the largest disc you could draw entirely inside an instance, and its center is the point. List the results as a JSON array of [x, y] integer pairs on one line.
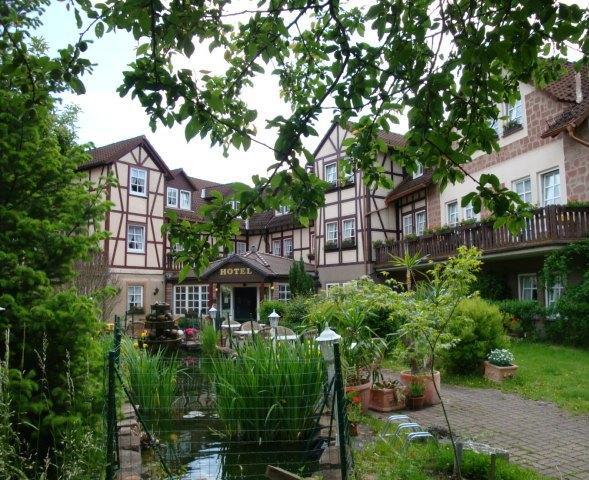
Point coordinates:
[[544, 157]]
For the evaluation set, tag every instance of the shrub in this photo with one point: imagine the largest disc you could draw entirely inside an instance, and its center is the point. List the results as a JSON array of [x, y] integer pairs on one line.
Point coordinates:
[[491, 286], [501, 357], [478, 325], [267, 306], [570, 318], [520, 315], [296, 311], [300, 282]]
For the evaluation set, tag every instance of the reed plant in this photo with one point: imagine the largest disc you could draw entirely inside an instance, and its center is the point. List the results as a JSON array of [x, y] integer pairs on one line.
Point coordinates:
[[151, 377], [270, 392], [209, 339]]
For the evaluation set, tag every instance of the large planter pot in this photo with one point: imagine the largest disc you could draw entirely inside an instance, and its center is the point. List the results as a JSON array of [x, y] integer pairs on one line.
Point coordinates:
[[362, 395], [383, 400], [430, 395], [416, 403], [498, 374]]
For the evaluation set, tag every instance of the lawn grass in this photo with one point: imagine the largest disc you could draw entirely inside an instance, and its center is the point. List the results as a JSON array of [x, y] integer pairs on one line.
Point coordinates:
[[546, 372]]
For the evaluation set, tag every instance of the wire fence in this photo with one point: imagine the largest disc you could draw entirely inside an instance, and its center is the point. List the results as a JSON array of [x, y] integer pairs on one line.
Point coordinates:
[[227, 414]]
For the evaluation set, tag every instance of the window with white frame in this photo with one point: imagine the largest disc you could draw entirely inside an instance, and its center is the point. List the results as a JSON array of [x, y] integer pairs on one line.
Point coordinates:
[[469, 212], [331, 232], [240, 247], [523, 187], [408, 224], [420, 222], [554, 292], [134, 296], [452, 213], [515, 112], [419, 172], [528, 286], [284, 292], [193, 298], [349, 230], [185, 199], [331, 173], [172, 197], [495, 125], [350, 178], [234, 204], [282, 210], [551, 188], [276, 245], [136, 238], [287, 247], [138, 181]]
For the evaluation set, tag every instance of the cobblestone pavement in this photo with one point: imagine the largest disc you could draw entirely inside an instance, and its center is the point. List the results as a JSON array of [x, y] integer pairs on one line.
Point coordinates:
[[536, 434]]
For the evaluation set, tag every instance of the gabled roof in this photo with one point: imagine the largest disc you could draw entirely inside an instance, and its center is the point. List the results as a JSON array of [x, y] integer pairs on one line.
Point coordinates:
[[112, 152], [180, 171], [409, 185]]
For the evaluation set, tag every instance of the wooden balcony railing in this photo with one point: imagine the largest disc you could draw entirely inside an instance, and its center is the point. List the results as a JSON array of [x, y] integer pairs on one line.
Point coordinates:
[[173, 265], [555, 224]]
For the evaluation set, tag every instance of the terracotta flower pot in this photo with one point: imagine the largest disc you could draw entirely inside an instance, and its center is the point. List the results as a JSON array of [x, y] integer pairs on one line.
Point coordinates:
[[362, 395], [416, 403], [384, 400], [430, 395], [497, 374]]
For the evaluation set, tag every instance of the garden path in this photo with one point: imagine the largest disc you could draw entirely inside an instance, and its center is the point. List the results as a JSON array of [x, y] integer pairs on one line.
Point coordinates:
[[536, 434]]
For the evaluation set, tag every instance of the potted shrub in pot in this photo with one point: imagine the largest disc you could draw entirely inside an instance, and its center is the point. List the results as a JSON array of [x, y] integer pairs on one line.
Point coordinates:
[[416, 394], [499, 365], [387, 396]]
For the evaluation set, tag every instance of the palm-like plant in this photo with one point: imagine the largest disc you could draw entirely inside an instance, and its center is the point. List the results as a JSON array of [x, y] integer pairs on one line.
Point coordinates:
[[409, 263]]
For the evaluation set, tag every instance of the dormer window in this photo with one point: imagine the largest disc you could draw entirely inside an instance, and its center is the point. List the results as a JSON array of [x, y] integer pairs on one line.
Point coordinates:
[[138, 182], [419, 172], [172, 197], [185, 199], [282, 210]]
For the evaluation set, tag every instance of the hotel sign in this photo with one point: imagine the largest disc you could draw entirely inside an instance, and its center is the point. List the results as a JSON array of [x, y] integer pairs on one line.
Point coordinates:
[[235, 271]]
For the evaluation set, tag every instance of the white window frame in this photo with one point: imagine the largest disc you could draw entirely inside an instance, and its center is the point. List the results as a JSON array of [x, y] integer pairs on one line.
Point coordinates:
[[134, 296], [140, 174], [328, 177], [349, 233], [407, 221], [419, 172], [276, 247], [187, 195], [284, 293], [240, 246], [136, 249], [287, 246], [554, 292], [456, 214], [468, 213], [191, 297], [282, 210], [333, 236], [173, 190], [515, 111], [495, 124], [312, 243], [420, 225], [555, 199], [526, 190], [521, 288]]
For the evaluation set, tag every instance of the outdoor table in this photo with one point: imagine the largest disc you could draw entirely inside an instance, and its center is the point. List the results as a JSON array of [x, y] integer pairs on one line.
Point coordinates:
[[287, 338]]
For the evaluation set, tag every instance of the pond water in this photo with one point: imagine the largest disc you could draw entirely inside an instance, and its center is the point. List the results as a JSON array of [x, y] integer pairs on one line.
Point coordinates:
[[193, 447]]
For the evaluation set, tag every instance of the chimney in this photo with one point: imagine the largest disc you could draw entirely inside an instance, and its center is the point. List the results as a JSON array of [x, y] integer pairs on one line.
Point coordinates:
[[203, 193], [578, 89]]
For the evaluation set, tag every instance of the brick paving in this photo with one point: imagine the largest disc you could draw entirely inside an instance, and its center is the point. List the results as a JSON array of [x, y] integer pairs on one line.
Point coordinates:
[[536, 434]]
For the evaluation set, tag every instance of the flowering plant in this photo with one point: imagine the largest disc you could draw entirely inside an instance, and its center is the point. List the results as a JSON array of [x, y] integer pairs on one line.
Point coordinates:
[[501, 357], [190, 332]]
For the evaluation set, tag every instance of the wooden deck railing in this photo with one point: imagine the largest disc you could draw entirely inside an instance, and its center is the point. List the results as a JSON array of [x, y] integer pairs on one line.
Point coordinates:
[[555, 224]]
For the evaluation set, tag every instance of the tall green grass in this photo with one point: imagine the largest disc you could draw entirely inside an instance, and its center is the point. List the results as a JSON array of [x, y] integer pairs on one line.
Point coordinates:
[[151, 377], [270, 394], [209, 339]]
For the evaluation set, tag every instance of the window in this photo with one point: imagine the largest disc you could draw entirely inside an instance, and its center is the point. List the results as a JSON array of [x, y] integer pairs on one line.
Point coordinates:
[[312, 243], [523, 187], [282, 210], [469, 212], [136, 238], [276, 247], [331, 232], [349, 231], [138, 181], [287, 247], [185, 197], [240, 247], [420, 222], [284, 292], [172, 197], [452, 213], [494, 124], [331, 173], [134, 296], [515, 113], [194, 298], [234, 204], [419, 172], [554, 292], [408, 224], [528, 286], [551, 188]]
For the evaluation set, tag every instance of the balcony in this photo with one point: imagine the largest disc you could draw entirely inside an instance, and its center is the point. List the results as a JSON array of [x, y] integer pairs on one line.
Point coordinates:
[[552, 225]]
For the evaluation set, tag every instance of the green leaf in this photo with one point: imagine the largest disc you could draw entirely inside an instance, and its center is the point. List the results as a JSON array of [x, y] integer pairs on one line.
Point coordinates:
[[184, 273], [77, 86], [99, 29]]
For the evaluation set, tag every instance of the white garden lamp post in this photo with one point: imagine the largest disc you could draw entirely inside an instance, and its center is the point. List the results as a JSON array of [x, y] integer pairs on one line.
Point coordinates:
[[326, 340], [213, 315], [273, 318]]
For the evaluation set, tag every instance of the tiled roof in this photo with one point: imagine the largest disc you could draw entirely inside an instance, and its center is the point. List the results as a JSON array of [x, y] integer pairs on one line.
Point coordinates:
[[392, 139], [408, 186]]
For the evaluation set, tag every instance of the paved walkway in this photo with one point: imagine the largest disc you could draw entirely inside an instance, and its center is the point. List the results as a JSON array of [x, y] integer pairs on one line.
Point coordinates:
[[537, 434]]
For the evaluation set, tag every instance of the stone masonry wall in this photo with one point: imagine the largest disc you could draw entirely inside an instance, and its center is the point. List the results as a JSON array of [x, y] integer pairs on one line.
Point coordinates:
[[576, 161]]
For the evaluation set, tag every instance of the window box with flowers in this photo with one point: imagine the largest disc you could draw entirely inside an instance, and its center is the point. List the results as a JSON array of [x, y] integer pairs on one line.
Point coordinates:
[[512, 126], [348, 243], [331, 246], [410, 237], [499, 365]]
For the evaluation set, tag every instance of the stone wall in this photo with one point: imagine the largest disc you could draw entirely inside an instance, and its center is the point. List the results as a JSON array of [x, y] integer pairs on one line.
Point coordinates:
[[576, 160]]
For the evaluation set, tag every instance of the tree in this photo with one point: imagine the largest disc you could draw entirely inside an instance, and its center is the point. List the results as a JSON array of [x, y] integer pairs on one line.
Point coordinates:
[[49, 219], [300, 282], [446, 65]]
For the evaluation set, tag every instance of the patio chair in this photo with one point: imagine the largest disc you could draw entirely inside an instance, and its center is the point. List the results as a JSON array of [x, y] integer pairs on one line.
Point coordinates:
[[250, 325]]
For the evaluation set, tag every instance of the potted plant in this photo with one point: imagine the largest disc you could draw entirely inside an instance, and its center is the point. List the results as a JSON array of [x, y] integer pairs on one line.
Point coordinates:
[[354, 413], [499, 365], [416, 394], [349, 243], [331, 246], [387, 395]]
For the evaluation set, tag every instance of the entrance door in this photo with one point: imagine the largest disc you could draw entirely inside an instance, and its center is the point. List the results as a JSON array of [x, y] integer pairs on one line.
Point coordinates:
[[245, 299]]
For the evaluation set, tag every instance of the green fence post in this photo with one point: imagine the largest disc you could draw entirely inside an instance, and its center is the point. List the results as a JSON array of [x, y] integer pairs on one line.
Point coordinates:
[[341, 412], [117, 339], [111, 417]]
